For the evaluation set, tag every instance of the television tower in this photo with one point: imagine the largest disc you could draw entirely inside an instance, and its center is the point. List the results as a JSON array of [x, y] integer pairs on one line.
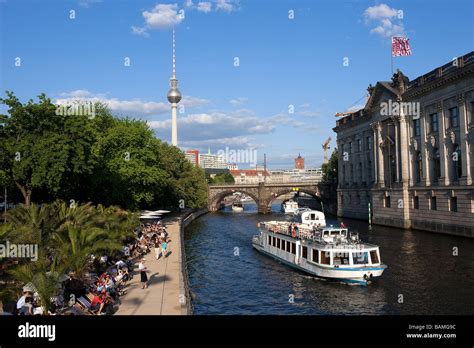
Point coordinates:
[[174, 97]]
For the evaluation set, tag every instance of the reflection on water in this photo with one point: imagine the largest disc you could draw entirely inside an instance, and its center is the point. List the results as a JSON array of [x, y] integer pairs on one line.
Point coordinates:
[[227, 276]]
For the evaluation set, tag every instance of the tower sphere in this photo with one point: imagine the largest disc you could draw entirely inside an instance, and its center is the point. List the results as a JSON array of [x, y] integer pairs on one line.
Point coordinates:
[[174, 95]]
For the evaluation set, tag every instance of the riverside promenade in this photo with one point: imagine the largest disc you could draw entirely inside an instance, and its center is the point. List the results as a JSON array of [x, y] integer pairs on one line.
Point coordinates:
[[167, 292]]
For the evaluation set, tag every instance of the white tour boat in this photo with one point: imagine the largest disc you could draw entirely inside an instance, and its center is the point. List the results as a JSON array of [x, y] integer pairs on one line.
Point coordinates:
[[237, 207], [330, 252], [289, 207]]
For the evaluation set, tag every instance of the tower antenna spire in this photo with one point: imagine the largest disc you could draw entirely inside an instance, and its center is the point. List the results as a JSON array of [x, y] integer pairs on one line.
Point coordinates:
[[174, 53]]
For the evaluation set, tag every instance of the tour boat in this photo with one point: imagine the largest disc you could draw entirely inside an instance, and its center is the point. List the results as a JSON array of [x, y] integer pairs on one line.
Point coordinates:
[[289, 207], [331, 253], [237, 207]]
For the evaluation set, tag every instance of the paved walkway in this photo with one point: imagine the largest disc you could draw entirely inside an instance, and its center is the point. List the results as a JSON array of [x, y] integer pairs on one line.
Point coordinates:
[[162, 297]]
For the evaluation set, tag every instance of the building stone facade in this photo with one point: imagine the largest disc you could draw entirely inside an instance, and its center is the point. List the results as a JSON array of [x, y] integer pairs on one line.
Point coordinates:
[[409, 152]]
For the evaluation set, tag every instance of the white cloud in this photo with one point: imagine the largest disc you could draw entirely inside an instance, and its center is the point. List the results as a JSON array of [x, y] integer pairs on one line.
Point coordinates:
[[204, 6], [238, 101], [226, 5], [88, 3], [78, 93], [309, 113], [386, 20], [380, 11], [140, 31], [162, 16], [134, 107]]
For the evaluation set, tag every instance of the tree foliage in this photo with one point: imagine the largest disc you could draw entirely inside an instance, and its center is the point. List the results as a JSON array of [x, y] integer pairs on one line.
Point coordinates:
[[330, 169], [102, 159]]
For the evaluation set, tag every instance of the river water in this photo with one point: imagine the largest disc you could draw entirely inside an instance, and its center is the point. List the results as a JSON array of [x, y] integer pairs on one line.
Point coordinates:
[[227, 276]]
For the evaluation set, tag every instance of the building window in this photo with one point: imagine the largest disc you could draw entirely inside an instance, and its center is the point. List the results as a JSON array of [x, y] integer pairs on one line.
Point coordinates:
[[418, 167], [458, 162], [350, 147], [453, 117], [387, 202], [432, 203], [359, 172], [437, 165], [359, 145], [416, 202], [352, 172], [453, 204], [416, 128], [434, 123], [342, 199], [471, 121], [343, 174], [369, 143]]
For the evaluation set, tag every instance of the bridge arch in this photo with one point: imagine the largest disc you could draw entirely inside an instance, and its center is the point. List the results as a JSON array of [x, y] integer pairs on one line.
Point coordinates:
[[215, 200], [316, 194]]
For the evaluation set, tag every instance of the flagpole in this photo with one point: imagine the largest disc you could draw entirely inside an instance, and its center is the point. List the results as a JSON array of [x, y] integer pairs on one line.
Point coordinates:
[[391, 54]]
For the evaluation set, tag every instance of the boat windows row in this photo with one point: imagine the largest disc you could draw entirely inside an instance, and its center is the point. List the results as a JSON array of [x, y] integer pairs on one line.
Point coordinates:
[[323, 257]]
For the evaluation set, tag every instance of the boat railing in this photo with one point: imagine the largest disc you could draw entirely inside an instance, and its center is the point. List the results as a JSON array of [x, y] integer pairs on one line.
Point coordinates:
[[308, 233]]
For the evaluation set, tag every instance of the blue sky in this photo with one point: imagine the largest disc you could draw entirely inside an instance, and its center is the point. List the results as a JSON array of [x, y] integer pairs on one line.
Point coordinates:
[[283, 62]]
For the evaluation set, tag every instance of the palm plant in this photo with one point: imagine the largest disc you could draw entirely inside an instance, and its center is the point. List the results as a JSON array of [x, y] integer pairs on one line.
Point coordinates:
[[45, 282], [32, 224], [75, 246]]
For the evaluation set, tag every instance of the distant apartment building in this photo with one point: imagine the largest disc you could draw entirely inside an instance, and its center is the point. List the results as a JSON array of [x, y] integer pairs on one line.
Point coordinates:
[[409, 152], [252, 176], [249, 176], [192, 156], [296, 175], [209, 161]]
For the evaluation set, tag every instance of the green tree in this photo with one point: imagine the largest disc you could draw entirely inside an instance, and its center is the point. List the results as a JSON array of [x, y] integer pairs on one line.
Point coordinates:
[[330, 169], [43, 150]]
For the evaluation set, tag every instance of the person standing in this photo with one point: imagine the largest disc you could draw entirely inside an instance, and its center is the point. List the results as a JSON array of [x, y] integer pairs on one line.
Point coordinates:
[[143, 276], [164, 245], [157, 246]]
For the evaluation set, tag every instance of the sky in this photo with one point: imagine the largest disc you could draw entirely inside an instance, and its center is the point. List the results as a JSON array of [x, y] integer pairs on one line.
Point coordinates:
[[264, 75]]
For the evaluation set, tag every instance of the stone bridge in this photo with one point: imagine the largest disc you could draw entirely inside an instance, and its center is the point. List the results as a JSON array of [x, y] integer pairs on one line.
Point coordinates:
[[264, 193]]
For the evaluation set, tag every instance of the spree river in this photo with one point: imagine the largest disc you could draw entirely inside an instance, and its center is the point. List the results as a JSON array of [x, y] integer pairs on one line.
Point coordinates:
[[227, 276]]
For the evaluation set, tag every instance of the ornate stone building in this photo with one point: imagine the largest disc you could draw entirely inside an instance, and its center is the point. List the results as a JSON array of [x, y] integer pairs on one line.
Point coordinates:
[[409, 152]]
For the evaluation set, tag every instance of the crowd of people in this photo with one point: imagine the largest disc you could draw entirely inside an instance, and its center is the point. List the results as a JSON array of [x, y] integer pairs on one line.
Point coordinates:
[[99, 292]]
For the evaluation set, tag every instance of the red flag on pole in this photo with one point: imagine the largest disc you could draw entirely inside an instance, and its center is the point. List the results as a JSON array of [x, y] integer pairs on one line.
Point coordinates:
[[400, 46]]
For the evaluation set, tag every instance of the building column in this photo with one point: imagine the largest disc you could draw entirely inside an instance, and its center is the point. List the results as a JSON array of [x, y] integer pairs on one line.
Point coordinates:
[[425, 180], [466, 178], [380, 159], [405, 172], [443, 151], [374, 150], [397, 150], [340, 149]]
